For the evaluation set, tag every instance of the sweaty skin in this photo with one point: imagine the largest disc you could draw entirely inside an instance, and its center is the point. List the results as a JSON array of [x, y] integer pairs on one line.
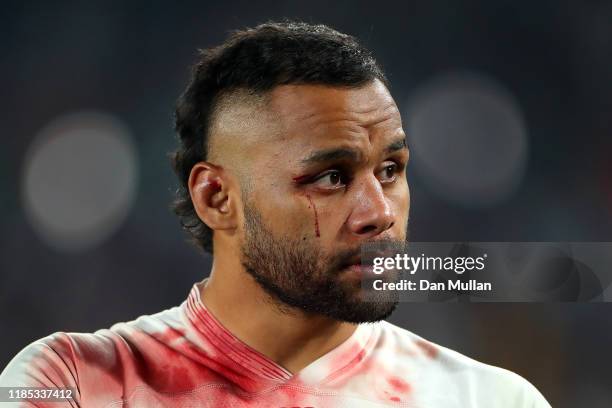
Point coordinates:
[[261, 146]]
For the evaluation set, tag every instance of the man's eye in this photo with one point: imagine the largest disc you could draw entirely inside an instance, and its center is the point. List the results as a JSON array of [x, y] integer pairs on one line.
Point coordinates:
[[388, 173], [331, 179]]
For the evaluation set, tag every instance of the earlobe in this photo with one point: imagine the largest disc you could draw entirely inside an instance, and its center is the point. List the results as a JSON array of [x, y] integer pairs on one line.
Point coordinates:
[[209, 195]]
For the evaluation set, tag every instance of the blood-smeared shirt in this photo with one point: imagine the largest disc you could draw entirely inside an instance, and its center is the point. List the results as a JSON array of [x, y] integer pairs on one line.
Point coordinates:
[[184, 357]]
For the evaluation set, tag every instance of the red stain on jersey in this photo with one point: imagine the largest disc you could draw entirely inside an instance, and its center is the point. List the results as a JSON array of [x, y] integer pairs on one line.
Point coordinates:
[[316, 216], [351, 361], [165, 369], [349, 358], [360, 356], [170, 335], [429, 349], [399, 385], [290, 396], [186, 357]]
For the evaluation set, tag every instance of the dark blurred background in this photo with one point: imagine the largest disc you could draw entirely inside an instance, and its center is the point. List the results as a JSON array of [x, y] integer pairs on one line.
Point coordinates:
[[507, 105]]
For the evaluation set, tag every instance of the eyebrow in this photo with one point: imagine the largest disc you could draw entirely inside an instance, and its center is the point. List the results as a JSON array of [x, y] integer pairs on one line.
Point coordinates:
[[323, 156], [328, 155], [399, 144]]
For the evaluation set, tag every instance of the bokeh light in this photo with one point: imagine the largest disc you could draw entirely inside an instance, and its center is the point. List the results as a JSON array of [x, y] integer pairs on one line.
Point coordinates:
[[79, 180], [468, 138]]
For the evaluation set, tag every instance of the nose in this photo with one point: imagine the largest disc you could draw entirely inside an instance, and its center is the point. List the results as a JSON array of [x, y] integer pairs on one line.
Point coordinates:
[[372, 213]]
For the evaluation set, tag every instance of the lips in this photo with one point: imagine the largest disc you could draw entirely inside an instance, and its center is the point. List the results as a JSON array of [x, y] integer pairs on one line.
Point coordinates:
[[355, 267], [356, 260], [353, 259]]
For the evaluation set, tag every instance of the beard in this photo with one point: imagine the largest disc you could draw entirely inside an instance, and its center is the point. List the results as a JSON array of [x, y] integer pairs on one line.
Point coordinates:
[[297, 276]]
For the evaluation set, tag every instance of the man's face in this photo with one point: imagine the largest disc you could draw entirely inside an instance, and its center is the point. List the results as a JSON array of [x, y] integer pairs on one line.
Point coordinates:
[[332, 179]]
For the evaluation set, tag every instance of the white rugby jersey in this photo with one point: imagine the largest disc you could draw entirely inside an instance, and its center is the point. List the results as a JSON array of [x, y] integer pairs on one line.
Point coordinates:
[[184, 357]]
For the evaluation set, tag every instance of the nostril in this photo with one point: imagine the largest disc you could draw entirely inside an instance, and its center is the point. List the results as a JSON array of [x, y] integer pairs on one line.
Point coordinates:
[[367, 228]]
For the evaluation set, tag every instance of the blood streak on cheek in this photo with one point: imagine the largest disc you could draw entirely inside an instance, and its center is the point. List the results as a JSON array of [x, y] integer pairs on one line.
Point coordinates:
[[316, 216], [302, 180]]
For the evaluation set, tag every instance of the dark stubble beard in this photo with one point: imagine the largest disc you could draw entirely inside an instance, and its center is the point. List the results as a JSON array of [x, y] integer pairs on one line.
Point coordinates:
[[298, 277]]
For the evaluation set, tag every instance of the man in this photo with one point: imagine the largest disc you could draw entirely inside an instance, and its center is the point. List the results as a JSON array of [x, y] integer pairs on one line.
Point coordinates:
[[292, 156]]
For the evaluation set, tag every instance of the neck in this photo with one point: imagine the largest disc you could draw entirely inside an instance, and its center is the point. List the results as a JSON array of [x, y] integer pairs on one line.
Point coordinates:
[[291, 339]]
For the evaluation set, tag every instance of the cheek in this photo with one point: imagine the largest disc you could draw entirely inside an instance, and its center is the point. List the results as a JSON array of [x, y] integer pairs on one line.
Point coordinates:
[[327, 220], [315, 217], [401, 201], [290, 214]]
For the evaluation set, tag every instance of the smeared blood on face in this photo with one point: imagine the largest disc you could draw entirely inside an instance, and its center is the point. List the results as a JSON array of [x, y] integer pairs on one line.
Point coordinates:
[[316, 216], [301, 180]]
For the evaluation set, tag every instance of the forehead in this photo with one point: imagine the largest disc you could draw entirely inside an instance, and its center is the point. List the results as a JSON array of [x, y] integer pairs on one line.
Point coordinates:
[[316, 114]]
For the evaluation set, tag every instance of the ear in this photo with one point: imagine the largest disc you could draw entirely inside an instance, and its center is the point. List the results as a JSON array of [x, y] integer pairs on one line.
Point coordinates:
[[209, 188]]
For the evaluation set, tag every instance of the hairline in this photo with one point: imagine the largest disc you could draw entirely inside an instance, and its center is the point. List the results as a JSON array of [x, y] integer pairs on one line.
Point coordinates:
[[262, 100]]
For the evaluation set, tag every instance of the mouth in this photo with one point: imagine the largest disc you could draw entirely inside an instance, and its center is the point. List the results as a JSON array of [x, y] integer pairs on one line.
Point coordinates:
[[356, 269]]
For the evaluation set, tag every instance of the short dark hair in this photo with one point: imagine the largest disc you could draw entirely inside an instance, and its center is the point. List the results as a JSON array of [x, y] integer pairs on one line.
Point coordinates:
[[257, 60]]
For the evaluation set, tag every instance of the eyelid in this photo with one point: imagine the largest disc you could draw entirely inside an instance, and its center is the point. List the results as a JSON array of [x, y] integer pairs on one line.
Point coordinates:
[[314, 181], [398, 169], [325, 173], [399, 163]]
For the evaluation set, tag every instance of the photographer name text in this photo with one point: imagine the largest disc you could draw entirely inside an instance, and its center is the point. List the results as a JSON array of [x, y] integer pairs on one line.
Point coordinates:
[[471, 285]]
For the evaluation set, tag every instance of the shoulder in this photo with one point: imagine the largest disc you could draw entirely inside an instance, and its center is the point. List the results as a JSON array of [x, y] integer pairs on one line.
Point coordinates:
[[72, 358], [47, 362], [443, 368]]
